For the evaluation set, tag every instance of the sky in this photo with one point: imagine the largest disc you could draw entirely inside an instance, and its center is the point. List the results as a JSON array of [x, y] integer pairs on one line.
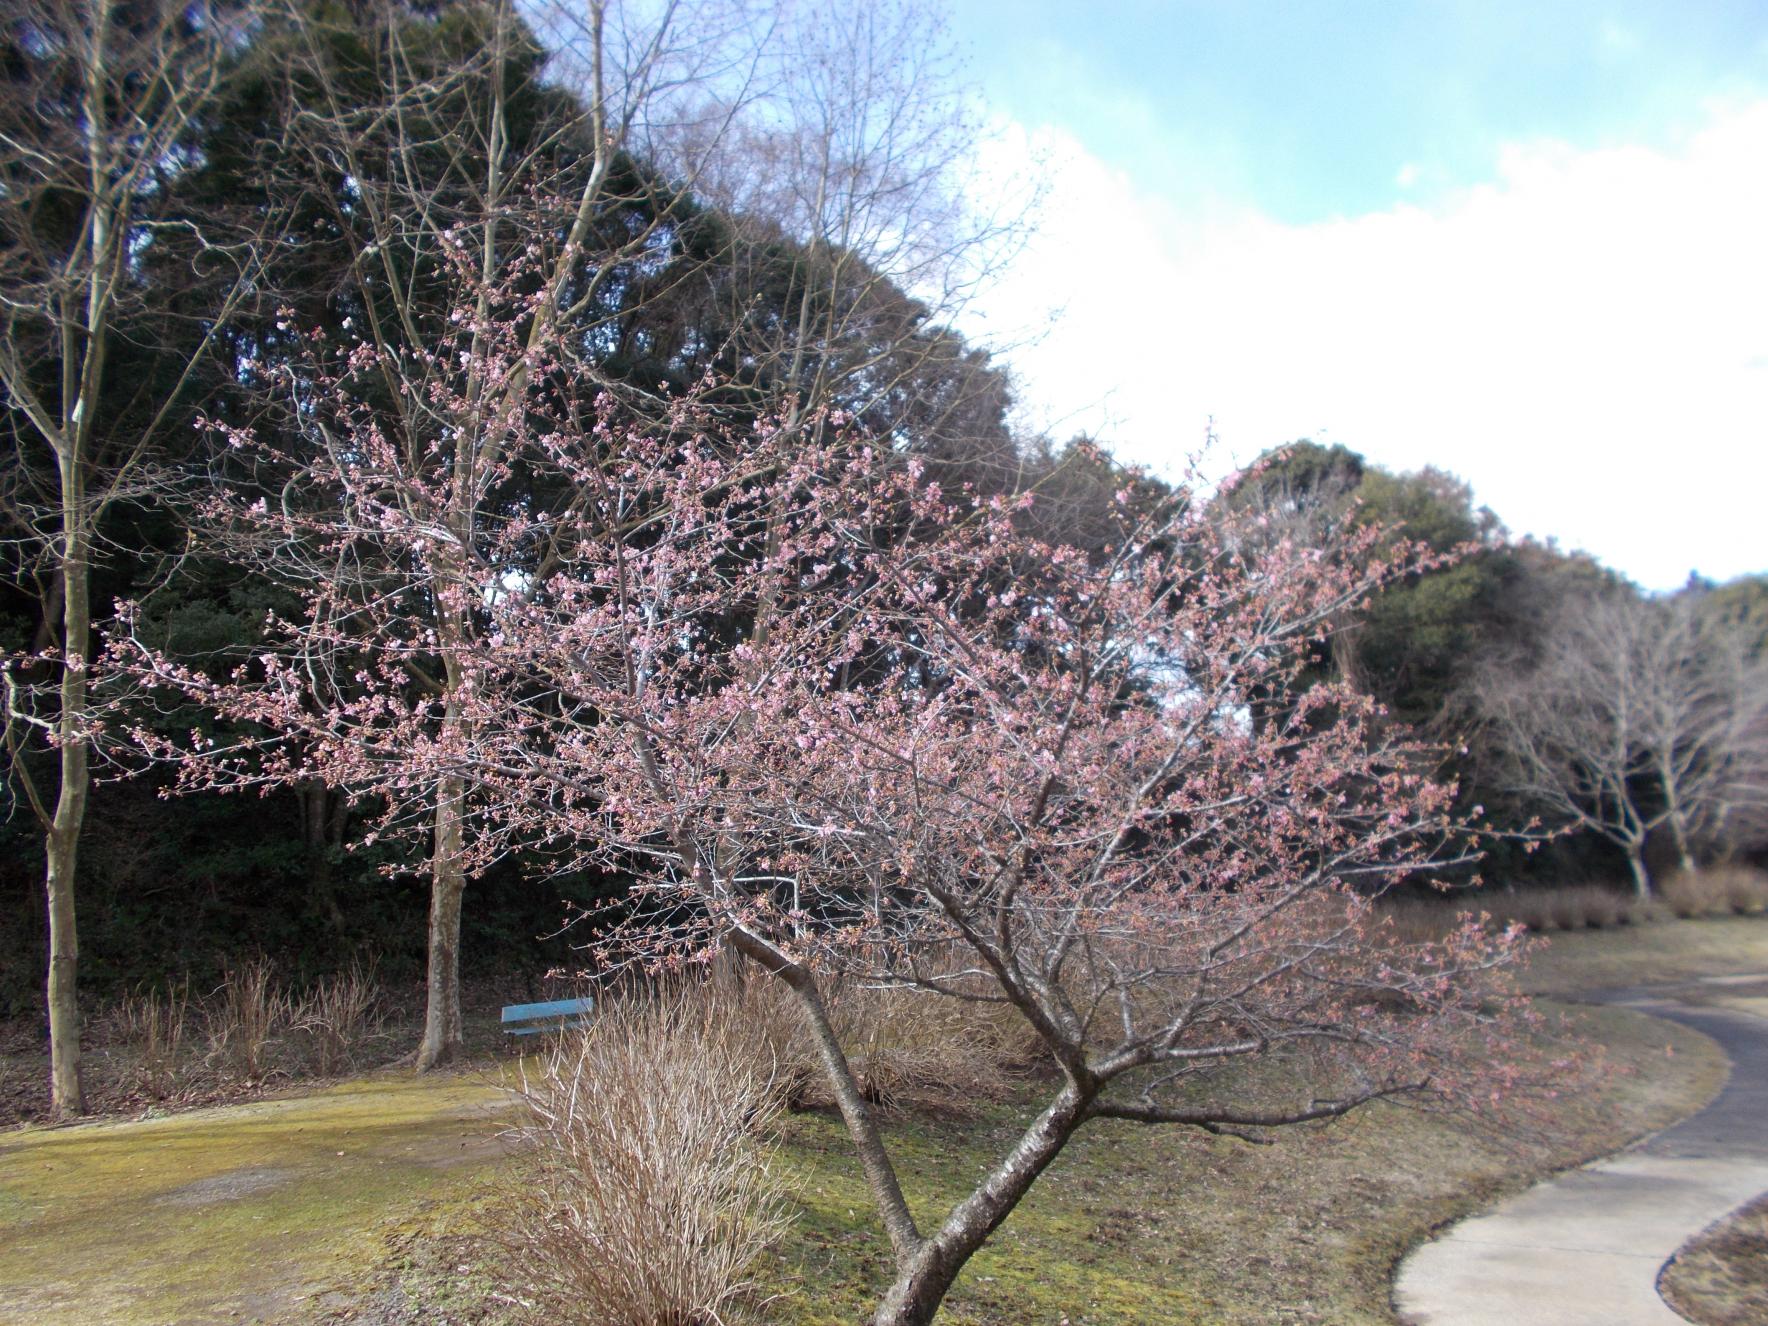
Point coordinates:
[[1525, 243]]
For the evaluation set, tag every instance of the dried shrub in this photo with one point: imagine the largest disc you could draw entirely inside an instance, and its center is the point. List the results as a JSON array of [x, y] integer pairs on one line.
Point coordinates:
[[776, 1028], [654, 1193], [152, 1027], [1602, 907], [1566, 907], [1571, 907], [1747, 889], [912, 1048], [338, 1017], [245, 1019], [1715, 891], [1420, 920]]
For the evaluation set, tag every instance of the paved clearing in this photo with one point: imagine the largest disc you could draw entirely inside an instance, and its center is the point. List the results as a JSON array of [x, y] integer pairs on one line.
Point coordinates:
[[1586, 1248], [230, 1215]]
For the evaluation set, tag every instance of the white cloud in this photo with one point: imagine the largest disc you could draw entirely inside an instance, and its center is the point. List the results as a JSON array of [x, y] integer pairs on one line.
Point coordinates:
[[1585, 338]]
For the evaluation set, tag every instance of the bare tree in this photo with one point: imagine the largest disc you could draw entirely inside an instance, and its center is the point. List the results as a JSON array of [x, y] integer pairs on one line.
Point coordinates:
[[100, 110], [1710, 730], [1637, 714]]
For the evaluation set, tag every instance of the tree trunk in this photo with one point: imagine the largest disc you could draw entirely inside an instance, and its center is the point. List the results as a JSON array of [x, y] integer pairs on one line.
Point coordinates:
[[319, 825], [914, 1298], [926, 1275], [442, 1031], [62, 844], [1680, 832], [1641, 877], [67, 1088]]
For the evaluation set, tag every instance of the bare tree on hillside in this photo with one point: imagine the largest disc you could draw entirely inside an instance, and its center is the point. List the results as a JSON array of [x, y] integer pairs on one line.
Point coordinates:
[[1637, 714]]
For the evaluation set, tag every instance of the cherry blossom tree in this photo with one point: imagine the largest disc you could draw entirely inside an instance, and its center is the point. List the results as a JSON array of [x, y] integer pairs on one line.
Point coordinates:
[[848, 726]]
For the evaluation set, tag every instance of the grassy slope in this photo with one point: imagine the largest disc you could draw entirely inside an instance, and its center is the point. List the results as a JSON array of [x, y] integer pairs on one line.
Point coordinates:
[[1663, 952], [1146, 1225], [1138, 1225]]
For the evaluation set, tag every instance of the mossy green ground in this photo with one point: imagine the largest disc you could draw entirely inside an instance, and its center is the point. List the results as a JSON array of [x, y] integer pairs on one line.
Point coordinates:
[[248, 1213], [241, 1213]]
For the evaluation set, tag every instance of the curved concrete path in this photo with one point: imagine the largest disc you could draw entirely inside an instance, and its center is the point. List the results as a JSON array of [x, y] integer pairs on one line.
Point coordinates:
[[1586, 1248]]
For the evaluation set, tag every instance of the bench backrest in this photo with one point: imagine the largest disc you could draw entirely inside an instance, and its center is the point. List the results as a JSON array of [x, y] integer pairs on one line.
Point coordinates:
[[557, 1015]]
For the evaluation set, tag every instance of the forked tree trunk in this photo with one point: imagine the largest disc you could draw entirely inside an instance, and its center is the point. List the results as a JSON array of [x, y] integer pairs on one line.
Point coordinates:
[[927, 1273], [914, 1298], [442, 1029], [1641, 876]]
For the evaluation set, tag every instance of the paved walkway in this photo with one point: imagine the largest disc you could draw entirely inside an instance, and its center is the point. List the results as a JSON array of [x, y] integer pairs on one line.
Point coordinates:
[[1586, 1248]]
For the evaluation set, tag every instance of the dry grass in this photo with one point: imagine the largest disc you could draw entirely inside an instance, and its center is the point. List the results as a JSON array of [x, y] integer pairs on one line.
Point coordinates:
[[246, 1017], [1720, 1278], [654, 1194], [1585, 959], [1716, 891], [163, 1045], [340, 1015], [154, 1024], [912, 1049], [1674, 951]]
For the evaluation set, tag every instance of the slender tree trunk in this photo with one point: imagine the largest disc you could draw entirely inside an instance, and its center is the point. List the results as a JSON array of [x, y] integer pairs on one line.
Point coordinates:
[[62, 845], [317, 824], [905, 1239], [442, 1030], [1679, 832], [1636, 864]]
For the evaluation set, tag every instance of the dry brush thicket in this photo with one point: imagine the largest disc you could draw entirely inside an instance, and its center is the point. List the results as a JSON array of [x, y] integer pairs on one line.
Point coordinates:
[[652, 1191], [1723, 890], [164, 1044]]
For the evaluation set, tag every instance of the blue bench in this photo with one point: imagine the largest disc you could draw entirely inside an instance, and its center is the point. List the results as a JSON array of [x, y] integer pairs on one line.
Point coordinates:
[[559, 1015]]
